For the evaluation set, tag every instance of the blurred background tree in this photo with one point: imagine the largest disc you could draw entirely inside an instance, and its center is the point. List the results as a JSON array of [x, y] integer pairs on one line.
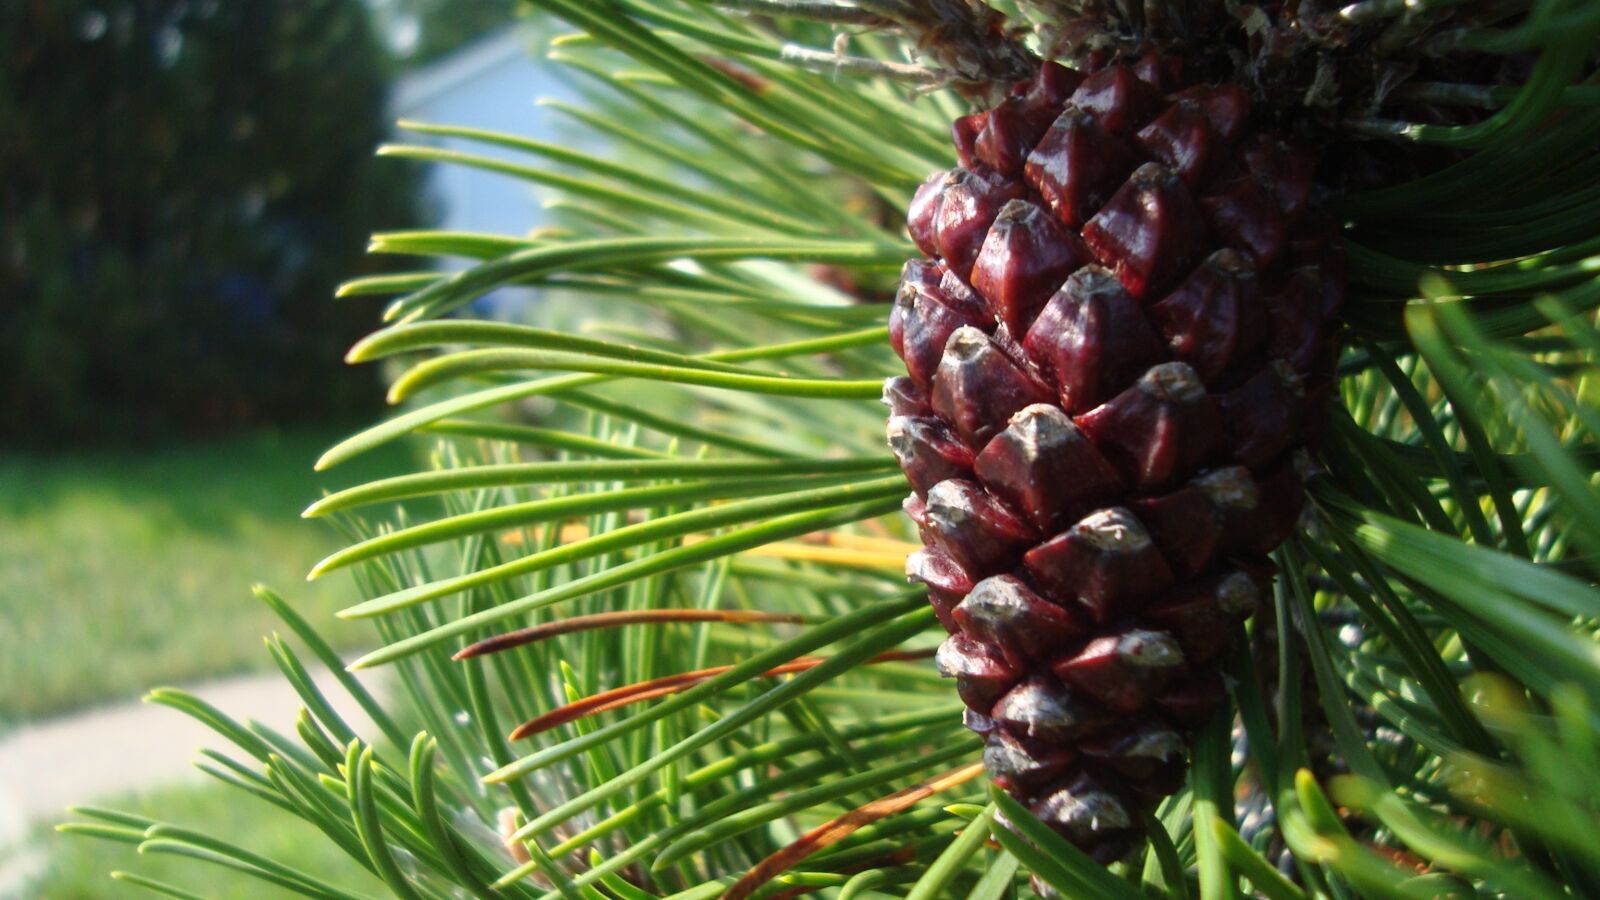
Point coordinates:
[[186, 183]]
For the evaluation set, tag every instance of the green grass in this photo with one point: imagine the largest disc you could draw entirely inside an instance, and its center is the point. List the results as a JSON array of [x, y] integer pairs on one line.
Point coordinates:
[[79, 867], [121, 569]]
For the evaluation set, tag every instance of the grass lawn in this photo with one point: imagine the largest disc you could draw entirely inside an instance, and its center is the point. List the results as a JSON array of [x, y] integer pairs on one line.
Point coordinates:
[[79, 867], [122, 569]]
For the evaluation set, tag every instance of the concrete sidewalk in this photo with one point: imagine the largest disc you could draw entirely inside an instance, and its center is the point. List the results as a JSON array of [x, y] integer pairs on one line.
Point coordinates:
[[107, 752]]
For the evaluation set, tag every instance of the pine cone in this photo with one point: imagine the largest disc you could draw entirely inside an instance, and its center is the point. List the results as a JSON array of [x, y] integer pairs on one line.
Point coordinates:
[[1122, 333]]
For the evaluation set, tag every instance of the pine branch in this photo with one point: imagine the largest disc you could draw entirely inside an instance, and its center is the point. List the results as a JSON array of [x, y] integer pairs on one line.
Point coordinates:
[[827, 61], [813, 10], [677, 576]]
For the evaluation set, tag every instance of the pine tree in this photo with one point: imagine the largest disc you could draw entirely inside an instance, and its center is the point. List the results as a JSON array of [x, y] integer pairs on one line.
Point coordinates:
[[662, 644]]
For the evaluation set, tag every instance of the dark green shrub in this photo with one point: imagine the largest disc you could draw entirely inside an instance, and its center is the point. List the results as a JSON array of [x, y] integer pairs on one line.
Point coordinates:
[[185, 184]]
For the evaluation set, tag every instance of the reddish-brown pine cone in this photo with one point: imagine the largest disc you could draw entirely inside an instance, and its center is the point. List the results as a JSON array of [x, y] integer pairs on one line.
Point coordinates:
[[1124, 329]]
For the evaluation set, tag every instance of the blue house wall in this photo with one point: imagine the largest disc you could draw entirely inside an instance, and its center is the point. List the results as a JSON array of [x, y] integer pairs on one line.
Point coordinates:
[[492, 83]]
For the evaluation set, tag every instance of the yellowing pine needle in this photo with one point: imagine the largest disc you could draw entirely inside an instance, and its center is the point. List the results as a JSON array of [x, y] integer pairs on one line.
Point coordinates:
[[833, 555]]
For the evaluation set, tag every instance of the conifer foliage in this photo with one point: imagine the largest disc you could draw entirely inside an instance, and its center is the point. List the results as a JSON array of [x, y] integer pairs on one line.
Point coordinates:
[[1211, 308]]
